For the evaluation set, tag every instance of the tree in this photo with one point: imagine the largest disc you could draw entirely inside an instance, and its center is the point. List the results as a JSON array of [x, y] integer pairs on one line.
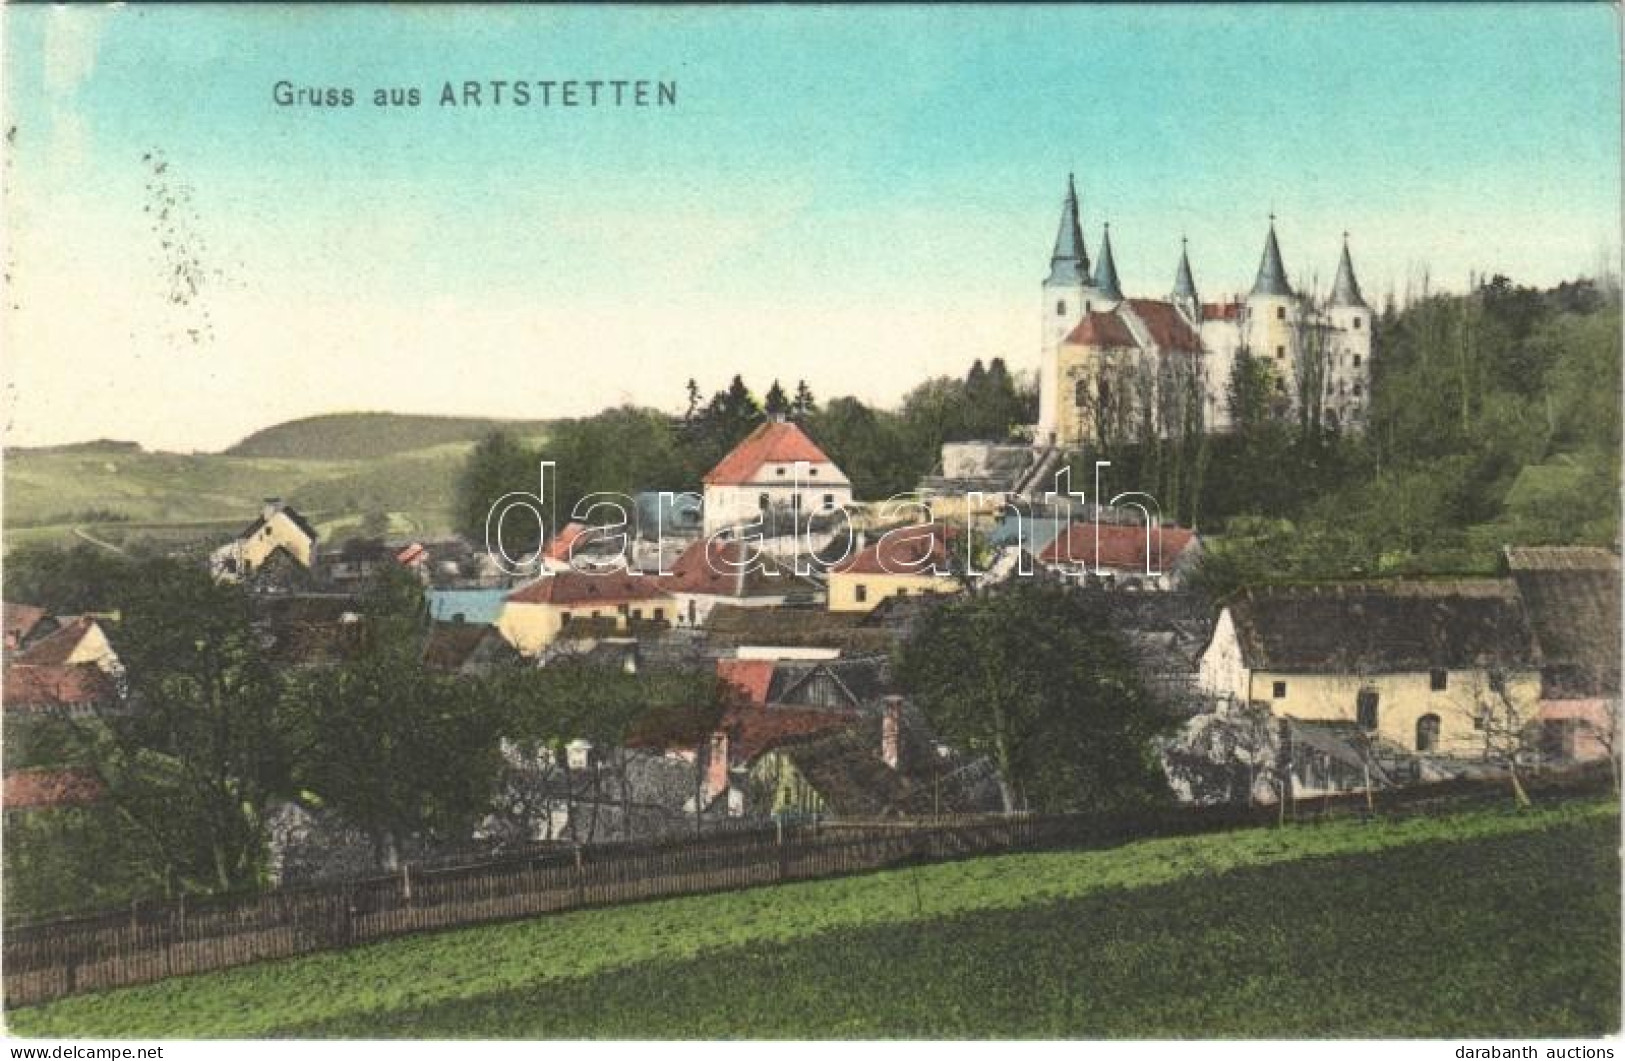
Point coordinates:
[[403, 752], [1505, 724], [805, 404], [193, 762], [498, 465], [777, 404], [1036, 677]]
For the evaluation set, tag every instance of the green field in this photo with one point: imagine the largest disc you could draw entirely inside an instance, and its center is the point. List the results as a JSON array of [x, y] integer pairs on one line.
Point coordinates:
[[1483, 923], [399, 467]]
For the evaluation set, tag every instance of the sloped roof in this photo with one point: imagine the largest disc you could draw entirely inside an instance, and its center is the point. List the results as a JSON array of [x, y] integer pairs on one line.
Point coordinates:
[[289, 511], [20, 620], [704, 568], [40, 788], [559, 547], [751, 677], [1378, 628], [579, 587], [846, 771], [1166, 325], [49, 686], [903, 551], [1346, 289], [1121, 546], [1105, 330], [1106, 268], [860, 680], [771, 443], [55, 647], [1573, 600], [754, 731], [1271, 272], [1184, 282], [730, 625], [1221, 311], [451, 646], [1069, 264]]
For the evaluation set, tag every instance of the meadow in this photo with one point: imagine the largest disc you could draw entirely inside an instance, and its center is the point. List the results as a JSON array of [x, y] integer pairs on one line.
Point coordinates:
[[1487, 922]]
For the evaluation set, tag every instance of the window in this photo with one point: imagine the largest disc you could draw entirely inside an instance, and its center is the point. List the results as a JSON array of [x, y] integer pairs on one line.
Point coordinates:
[[829, 500], [764, 502], [781, 470], [1356, 390], [860, 594], [812, 471], [1365, 705], [1356, 323], [1080, 393], [1280, 313], [1279, 691], [1427, 733], [1438, 680], [1060, 309], [1356, 360], [564, 617], [660, 615], [1280, 352], [622, 609], [1481, 721], [1088, 307]]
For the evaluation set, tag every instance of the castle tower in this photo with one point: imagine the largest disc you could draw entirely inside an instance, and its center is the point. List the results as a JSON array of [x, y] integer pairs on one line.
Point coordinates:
[[1106, 271], [1067, 291], [1184, 295], [1272, 317], [1349, 378]]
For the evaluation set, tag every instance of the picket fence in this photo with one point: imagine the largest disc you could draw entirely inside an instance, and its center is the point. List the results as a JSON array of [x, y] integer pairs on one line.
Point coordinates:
[[155, 940]]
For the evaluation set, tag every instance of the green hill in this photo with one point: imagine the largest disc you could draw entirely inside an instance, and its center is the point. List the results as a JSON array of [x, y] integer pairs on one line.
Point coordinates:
[[1476, 924], [358, 436]]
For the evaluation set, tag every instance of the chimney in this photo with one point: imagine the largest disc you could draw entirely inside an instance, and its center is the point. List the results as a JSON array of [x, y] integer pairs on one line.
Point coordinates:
[[272, 506], [891, 725], [716, 766]]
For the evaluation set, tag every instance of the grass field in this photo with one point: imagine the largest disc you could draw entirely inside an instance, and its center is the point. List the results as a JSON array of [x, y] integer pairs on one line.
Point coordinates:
[[1484, 923], [404, 468]]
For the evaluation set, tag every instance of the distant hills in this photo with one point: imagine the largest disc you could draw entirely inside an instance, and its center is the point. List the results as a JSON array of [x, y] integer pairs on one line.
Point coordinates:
[[358, 436]]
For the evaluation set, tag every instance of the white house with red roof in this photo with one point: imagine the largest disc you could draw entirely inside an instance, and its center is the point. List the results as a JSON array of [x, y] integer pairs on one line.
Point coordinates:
[[777, 467]]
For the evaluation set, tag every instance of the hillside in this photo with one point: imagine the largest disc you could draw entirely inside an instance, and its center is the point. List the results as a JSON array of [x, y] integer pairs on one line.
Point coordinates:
[[360, 436], [1404, 928]]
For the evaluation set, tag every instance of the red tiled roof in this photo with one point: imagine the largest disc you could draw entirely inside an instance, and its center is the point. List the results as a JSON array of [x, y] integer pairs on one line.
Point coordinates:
[[580, 587], [20, 620], [46, 686], [775, 443], [54, 648], [559, 547], [1168, 329], [38, 788], [753, 732], [412, 554], [1221, 311], [705, 567], [1102, 330], [750, 676], [902, 552], [1121, 546]]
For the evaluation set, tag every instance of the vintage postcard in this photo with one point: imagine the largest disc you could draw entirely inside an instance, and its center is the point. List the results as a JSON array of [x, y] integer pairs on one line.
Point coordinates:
[[812, 522]]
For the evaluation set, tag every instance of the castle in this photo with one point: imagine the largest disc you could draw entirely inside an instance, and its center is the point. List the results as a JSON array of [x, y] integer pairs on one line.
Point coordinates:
[[1116, 368]]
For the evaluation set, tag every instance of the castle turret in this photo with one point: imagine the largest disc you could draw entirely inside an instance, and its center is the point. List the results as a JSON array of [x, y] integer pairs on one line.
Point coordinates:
[[1273, 314], [1348, 389], [1346, 289], [1184, 294], [1106, 270], [1271, 281]]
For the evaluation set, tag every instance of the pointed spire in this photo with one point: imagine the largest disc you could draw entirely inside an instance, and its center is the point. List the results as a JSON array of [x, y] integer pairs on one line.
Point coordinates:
[[1271, 273], [1070, 262], [1346, 289], [1106, 268], [1184, 283]]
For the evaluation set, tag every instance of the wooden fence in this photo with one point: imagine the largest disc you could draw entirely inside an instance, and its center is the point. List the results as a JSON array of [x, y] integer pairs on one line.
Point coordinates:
[[151, 941]]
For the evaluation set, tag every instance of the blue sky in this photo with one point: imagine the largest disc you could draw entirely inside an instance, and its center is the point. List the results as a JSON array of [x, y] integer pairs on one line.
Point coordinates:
[[860, 197]]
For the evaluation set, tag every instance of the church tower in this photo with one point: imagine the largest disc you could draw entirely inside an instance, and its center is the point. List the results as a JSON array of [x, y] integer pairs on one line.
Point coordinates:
[[1066, 291], [1106, 282]]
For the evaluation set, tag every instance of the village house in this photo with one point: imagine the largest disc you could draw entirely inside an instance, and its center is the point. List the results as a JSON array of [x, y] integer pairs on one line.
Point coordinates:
[[1573, 598], [70, 690], [714, 572], [776, 469], [1123, 556], [904, 562], [278, 546], [47, 788], [76, 639], [534, 615], [26, 623], [1420, 665]]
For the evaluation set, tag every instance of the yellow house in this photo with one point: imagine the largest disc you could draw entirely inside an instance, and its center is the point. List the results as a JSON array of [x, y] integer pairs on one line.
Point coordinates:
[[533, 615], [1421, 665], [278, 527], [905, 562]]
